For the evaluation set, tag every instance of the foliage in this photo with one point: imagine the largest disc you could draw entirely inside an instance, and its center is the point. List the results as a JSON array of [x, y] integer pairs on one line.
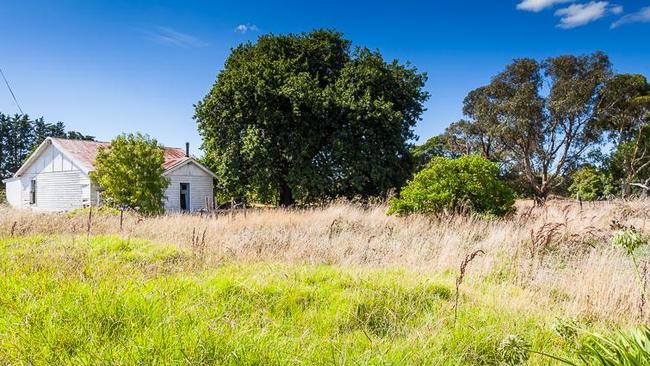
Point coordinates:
[[469, 182], [625, 115], [590, 184], [629, 239], [20, 135], [130, 173], [622, 349], [539, 135], [299, 118], [513, 350], [433, 147]]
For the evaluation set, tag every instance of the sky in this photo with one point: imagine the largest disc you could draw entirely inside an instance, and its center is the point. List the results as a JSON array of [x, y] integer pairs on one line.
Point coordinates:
[[108, 67]]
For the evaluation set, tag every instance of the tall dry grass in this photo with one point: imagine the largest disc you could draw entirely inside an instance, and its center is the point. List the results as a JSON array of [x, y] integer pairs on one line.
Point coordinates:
[[560, 253]]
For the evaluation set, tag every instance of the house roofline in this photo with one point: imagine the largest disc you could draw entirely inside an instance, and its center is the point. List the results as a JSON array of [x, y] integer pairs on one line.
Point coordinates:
[[185, 162], [86, 170], [39, 150]]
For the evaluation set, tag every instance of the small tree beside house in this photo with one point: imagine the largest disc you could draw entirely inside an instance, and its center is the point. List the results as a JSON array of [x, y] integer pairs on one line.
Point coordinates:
[[130, 173]]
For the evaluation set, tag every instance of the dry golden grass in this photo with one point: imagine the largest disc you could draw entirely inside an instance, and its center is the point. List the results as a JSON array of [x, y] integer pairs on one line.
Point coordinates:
[[560, 253]]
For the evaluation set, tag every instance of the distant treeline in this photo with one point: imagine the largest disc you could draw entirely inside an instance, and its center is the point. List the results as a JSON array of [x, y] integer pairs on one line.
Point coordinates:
[[20, 135]]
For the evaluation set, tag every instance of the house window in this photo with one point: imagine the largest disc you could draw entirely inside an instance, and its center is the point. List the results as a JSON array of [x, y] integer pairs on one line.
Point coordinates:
[[185, 196], [32, 192]]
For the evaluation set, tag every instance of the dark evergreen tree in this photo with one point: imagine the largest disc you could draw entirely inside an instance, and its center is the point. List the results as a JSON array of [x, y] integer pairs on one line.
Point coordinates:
[[20, 136]]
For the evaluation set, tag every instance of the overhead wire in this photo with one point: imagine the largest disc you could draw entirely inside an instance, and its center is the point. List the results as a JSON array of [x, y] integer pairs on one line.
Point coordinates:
[[11, 91]]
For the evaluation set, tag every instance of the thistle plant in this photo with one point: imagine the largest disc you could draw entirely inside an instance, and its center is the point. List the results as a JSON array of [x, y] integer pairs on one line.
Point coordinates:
[[513, 350], [566, 329]]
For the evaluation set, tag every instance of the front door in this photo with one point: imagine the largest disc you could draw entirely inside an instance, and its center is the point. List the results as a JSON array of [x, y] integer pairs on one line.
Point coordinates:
[[185, 197]]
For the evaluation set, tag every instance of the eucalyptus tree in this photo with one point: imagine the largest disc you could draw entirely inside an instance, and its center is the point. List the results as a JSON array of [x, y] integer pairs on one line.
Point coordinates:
[[543, 114], [625, 115]]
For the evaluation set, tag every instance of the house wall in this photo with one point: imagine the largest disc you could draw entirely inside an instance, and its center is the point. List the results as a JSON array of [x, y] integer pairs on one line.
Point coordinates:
[[60, 184], [14, 193], [60, 191], [201, 187]]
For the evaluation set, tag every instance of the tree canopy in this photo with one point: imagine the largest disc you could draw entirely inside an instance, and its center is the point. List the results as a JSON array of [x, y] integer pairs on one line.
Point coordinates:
[[625, 117], [538, 119], [20, 135], [130, 173], [307, 117]]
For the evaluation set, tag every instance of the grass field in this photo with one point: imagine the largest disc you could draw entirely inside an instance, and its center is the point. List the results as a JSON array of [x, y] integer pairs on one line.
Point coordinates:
[[337, 285]]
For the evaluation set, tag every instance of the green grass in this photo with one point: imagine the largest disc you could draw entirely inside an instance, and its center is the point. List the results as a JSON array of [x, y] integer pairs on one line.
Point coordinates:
[[66, 300]]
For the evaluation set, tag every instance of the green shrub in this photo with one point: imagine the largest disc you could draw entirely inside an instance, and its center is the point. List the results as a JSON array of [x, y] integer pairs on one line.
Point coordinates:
[[629, 239], [130, 173], [589, 184], [469, 183]]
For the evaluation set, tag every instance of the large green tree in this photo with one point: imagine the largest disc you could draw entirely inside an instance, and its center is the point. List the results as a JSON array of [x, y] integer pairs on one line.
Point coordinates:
[[542, 115], [130, 173], [625, 115], [306, 117]]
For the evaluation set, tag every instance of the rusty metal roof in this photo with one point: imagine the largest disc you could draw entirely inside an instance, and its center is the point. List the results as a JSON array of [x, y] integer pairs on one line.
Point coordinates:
[[85, 152]]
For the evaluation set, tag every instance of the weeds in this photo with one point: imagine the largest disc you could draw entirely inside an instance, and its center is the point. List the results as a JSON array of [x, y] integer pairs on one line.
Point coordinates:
[[123, 302], [618, 349], [574, 259], [461, 276], [624, 349], [513, 351], [198, 242], [630, 239]]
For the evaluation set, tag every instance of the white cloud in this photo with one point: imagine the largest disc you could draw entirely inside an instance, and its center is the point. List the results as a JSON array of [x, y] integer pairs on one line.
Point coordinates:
[[577, 15], [642, 16], [539, 5], [245, 28], [617, 9], [168, 36]]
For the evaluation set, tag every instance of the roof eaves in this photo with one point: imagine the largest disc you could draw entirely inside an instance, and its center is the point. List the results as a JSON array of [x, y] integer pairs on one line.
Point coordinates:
[[33, 157], [186, 161]]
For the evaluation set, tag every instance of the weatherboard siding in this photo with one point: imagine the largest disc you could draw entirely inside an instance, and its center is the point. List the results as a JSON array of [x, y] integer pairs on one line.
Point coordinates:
[[51, 160], [201, 187], [59, 191], [60, 184], [14, 193]]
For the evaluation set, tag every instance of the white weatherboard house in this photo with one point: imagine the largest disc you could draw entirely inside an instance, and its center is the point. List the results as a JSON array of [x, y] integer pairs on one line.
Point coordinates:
[[55, 178]]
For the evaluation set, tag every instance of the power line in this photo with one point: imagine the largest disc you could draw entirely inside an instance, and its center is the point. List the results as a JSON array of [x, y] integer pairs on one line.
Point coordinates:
[[12, 92]]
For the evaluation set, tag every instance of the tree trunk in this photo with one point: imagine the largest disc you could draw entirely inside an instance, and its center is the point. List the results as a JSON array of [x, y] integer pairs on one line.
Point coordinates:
[[625, 189], [285, 192], [541, 195], [286, 195]]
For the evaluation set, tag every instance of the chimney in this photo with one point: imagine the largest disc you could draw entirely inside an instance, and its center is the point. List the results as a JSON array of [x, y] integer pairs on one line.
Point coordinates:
[[187, 149]]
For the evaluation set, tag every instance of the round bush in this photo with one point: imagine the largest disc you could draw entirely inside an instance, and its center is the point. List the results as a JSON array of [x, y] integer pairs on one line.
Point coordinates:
[[469, 183], [589, 184]]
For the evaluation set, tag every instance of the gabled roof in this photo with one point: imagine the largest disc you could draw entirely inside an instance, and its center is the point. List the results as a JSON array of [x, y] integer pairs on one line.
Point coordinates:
[[83, 154], [187, 161]]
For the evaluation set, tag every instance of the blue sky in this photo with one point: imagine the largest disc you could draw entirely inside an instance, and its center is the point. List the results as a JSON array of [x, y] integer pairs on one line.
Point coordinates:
[[106, 67]]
